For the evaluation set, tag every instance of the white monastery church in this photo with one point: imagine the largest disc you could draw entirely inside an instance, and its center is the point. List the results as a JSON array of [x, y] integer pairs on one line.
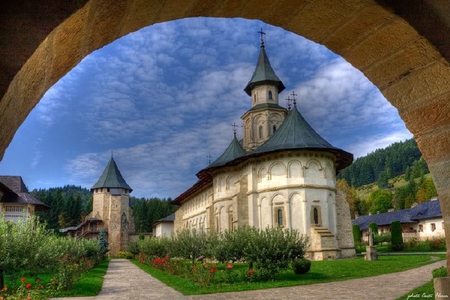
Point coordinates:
[[282, 173]]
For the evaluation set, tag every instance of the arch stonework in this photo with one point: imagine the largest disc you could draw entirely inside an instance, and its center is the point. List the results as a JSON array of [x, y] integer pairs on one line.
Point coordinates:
[[402, 46]]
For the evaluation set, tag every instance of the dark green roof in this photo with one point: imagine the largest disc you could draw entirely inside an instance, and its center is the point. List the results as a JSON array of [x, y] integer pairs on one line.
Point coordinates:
[[296, 133], [233, 151], [111, 178], [263, 74], [266, 105]]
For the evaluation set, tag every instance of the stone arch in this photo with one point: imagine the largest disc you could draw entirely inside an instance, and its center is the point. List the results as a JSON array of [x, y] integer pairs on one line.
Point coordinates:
[[295, 169], [230, 182], [313, 169], [329, 172], [396, 48], [277, 170], [262, 173]]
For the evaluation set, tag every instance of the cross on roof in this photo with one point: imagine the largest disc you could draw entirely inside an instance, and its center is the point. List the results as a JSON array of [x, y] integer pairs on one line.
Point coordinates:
[[209, 159], [234, 128], [262, 33], [289, 101], [294, 98]]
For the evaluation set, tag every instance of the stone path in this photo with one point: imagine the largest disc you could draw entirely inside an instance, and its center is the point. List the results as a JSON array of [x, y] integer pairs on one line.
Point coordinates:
[[124, 280]]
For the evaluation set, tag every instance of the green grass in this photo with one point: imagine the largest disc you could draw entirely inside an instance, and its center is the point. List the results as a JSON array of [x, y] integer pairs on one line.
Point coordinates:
[[90, 283], [425, 291], [321, 271]]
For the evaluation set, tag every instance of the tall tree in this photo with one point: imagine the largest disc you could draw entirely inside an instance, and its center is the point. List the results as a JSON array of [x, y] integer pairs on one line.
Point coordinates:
[[381, 201]]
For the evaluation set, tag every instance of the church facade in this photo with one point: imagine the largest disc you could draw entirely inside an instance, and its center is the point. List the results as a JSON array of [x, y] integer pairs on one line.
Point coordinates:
[[281, 174]]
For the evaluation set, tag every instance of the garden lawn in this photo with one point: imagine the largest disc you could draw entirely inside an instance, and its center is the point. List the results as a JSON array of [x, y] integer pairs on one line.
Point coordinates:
[[90, 282], [321, 271]]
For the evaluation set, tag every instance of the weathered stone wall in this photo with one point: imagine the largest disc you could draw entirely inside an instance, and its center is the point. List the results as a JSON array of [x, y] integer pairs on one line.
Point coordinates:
[[344, 235]]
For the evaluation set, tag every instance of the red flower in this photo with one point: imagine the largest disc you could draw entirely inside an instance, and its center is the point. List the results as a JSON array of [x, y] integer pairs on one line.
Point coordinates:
[[28, 285], [229, 266], [23, 279], [29, 298], [37, 280], [212, 269], [194, 268], [250, 272]]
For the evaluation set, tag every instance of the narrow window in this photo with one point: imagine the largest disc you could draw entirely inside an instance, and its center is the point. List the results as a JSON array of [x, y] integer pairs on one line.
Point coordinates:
[[274, 128], [316, 216], [260, 132], [269, 96], [280, 217], [254, 98], [433, 227], [420, 228]]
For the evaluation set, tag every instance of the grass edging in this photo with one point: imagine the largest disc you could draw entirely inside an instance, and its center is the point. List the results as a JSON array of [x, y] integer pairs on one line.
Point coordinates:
[[321, 272], [90, 283]]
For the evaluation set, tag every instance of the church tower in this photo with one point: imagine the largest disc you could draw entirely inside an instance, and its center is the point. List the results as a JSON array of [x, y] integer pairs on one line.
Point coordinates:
[[111, 204], [266, 115]]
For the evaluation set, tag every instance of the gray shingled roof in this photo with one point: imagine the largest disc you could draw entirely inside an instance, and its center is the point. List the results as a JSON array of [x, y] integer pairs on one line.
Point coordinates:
[[16, 192], [263, 74], [424, 210], [296, 133], [233, 151], [111, 178]]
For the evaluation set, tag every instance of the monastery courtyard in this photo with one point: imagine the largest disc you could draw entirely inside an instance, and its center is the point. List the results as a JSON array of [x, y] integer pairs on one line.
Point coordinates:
[[124, 280]]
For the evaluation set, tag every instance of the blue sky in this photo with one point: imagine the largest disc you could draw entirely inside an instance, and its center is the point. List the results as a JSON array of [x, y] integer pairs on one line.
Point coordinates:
[[164, 98]]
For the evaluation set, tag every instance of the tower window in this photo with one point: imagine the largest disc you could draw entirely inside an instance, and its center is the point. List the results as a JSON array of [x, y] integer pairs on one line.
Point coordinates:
[[254, 98], [260, 132], [316, 216], [280, 217], [274, 128], [269, 96]]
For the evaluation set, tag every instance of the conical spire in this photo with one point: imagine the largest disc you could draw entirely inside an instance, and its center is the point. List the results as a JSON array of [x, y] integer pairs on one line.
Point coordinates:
[[296, 133], [263, 73], [234, 150], [111, 178]]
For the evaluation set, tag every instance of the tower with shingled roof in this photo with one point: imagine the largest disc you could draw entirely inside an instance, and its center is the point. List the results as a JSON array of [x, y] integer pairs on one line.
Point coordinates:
[[265, 115], [111, 204]]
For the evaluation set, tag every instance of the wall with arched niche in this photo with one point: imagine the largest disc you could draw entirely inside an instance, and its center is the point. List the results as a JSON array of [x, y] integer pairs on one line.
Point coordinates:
[[406, 66]]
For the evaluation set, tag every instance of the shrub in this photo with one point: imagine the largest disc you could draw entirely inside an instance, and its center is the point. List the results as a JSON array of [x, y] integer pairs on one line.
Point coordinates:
[[271, 250], [301, 266], [439, 272], [154, 247], [382, 238], [356, 234], [396, 236], [374, 227], [124, 254], [133, 247]]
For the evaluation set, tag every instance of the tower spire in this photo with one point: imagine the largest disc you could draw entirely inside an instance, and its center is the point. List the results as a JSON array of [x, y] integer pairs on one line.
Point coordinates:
[[262, 33]]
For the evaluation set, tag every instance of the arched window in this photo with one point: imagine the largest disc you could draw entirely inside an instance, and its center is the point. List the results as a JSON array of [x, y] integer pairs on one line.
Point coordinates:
[[254, 98], [260, 132], [274, 128], [269, 96], [280, 217]]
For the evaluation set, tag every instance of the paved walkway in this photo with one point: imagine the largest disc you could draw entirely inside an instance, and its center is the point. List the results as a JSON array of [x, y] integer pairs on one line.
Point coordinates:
[[124, 280]]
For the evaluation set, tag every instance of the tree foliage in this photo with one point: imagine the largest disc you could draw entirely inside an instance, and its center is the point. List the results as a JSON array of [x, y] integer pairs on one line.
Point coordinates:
[[387, 163], [381, 201], [396, 236], [147, 211], [68, 205]]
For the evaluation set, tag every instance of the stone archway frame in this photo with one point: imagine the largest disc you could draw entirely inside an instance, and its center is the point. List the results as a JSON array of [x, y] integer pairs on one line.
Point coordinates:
[[410, 72]]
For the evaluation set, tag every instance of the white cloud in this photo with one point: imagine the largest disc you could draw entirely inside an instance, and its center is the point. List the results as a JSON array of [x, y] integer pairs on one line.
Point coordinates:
[[371, 143]]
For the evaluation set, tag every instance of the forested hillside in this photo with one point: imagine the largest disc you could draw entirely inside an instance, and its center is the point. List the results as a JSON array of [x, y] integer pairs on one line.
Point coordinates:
[[384, 164], [69, 205], [147, 211]]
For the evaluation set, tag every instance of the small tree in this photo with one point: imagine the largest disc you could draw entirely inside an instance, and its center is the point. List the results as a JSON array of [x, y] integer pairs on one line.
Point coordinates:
[[396, 236], [356, 234], [374, 228], [103, 242]]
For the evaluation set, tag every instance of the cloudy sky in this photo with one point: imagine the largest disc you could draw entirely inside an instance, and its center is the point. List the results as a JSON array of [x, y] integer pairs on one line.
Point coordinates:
[[164, 98]]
